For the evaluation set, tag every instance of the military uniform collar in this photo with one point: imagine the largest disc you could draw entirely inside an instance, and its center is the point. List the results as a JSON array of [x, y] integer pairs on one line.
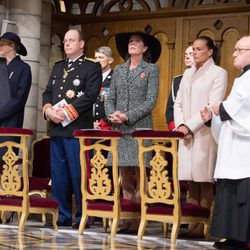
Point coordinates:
[[75, 59], [246, 68]]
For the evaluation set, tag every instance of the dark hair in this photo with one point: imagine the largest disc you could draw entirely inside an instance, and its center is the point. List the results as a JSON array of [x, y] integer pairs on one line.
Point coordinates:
[[210, 45], [80, 34], [147, 55]]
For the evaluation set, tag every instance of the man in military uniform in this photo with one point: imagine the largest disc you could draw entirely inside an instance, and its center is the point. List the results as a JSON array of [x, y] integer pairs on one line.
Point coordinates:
[[68, 99], [105, 57], [188, 61]]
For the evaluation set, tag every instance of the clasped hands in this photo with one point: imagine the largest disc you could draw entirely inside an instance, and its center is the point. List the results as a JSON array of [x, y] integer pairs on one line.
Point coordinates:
[[188, 135], [206, 115], [118, 117], [56, 115]]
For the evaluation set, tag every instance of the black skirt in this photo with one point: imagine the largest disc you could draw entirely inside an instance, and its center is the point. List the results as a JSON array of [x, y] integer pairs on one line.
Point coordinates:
[[231, 218]]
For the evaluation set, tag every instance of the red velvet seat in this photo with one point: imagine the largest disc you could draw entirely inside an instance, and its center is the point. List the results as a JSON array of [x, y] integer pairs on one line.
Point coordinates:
[[126, 206], [101, 191], [187, 209], [160, 190], [34, 202], [14, 192], [40, 165]]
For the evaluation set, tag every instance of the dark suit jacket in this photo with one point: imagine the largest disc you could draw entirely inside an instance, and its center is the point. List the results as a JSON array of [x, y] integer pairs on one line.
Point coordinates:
[[83, 81], [12, 112], [171, 100]]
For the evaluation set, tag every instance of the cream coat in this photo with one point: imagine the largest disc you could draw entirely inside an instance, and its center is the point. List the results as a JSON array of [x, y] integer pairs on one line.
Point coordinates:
[[208, 84]]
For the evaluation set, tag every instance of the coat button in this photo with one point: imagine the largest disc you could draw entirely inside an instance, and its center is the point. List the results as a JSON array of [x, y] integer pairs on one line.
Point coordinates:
[[59, 95]]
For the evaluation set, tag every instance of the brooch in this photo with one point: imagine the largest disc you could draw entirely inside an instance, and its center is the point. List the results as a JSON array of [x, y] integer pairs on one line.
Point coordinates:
[[80, 93], [76, 82], [70, 93], [143, 76]]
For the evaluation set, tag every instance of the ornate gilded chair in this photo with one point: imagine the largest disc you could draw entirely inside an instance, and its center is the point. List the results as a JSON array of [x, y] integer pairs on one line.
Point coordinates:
[[160, 190], [14, 190], [101, 191]]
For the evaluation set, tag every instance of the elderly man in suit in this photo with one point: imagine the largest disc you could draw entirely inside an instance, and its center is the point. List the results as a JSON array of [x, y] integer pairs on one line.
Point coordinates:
[[73, 87], [105, 57]]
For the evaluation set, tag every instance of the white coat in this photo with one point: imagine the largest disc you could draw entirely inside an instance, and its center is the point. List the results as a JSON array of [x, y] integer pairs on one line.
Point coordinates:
[[197, 156]]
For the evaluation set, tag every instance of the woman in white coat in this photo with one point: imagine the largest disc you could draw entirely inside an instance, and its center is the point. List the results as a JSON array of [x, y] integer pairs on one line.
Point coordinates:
[[204, 83]]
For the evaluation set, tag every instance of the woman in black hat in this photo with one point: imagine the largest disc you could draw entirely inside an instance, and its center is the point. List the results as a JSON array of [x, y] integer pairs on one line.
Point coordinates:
[[132, 97]]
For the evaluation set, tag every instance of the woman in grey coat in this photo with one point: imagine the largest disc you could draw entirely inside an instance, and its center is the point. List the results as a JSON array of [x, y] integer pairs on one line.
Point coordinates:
[[131, 99]]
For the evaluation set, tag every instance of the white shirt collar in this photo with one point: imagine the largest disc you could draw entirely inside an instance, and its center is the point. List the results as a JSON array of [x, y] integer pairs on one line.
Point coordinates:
[[105, 74], [73, 60]]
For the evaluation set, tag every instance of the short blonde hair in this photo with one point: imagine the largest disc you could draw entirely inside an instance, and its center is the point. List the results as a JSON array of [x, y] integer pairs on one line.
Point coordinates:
[[106, 51]]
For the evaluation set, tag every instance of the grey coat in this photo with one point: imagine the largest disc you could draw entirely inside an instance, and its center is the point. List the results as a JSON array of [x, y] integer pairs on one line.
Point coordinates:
[[133, 93]]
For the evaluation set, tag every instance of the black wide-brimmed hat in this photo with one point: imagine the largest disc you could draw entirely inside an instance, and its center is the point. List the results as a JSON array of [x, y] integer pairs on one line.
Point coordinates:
[[16, 39], [153, 44]]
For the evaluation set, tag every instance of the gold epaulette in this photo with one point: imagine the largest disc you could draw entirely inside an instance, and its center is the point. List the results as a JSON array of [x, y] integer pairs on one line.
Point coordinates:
[[91, 59], [178, 76], [61, 61]]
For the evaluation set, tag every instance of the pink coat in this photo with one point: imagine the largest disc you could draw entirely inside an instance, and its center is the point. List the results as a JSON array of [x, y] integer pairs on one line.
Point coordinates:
[[208, 84]]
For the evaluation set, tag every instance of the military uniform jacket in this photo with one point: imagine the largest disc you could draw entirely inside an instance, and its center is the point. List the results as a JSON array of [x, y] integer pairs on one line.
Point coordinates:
[[79, 85], [99, 112], [171, 100], [12, 111]]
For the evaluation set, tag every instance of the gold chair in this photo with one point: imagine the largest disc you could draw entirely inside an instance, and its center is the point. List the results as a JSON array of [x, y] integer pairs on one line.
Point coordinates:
[[160, 190], [14, 191], [101, 191]]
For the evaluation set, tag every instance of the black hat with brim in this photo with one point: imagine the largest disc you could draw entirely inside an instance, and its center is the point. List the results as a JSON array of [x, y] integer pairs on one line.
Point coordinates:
[[154, 45], [16, 39]]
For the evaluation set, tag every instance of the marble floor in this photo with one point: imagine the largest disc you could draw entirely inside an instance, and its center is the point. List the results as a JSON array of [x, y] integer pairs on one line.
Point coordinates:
[[36, 236]]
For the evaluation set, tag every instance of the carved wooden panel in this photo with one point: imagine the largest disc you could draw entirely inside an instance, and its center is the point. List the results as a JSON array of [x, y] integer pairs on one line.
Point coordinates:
[[174, 23]]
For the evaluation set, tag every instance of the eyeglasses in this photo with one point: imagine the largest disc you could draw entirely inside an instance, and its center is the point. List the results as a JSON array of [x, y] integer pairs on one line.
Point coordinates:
[[240, 50]]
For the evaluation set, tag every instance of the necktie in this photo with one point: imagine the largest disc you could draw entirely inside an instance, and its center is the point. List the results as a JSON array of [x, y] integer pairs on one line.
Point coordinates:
[[69, 63]]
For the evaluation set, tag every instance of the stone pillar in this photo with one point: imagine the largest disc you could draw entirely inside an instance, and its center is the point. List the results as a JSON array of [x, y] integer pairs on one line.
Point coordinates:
[[27, 15], [44, 69], [2, 14]]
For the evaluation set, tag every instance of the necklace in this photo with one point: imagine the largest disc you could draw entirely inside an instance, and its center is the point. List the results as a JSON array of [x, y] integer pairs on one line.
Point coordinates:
[[67, 71]]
